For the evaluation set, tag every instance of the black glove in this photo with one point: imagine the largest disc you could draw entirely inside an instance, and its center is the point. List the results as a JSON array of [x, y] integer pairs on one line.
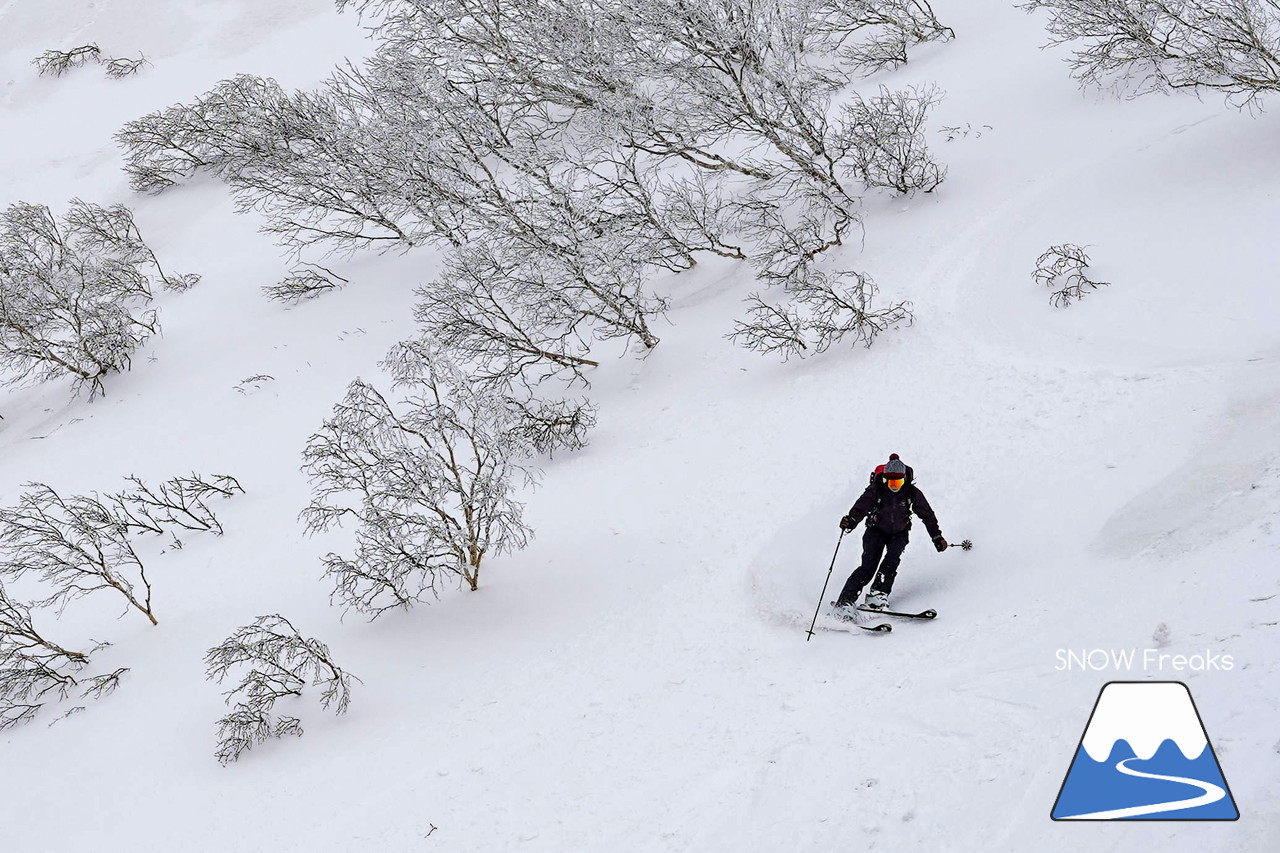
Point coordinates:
[[848, 522], [939, 543]]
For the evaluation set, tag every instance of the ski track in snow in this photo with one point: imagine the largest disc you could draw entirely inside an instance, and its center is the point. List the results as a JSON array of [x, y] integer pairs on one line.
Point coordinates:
[[1212, 793]]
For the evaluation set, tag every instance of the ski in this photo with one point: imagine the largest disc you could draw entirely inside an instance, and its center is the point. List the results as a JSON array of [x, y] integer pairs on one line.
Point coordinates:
[[845, 624], [923, 614]]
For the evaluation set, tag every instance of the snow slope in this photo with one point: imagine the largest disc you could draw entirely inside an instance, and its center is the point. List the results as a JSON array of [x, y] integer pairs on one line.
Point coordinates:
[[638, 678]]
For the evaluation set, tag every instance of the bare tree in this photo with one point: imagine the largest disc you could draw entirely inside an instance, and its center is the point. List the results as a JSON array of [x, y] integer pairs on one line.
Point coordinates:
[[75, 296], [432, 488], [1232, 46], [75, 545], [822, 311], [457, 122], [1062, 267], [276, 662], [81, 544], [59, 62]]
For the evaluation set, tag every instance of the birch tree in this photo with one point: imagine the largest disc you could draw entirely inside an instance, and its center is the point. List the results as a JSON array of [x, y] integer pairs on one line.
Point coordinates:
[[431, 483]]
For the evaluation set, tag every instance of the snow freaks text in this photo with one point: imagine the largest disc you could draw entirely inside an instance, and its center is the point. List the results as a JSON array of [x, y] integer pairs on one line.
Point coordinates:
[[1150, 660]]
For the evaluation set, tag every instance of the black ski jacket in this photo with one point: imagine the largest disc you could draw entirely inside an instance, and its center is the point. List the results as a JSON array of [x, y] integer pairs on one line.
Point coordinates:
[[891, 512]]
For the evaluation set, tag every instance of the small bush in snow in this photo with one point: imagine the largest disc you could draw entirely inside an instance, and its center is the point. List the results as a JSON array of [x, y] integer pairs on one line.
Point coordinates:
[[307, 281], [277, 662], [35, 670], [885, 135], [118, 68], [431, 486], [822, 311], [550, 425], [1062, 268], [59, 62], [177, 503], [75, 296], [1232, 46]]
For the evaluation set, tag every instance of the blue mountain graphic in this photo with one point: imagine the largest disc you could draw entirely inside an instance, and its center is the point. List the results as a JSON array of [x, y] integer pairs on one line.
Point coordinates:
[[1096, 786]]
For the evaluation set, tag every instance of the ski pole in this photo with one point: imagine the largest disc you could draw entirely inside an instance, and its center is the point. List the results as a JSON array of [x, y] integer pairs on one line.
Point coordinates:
[[824, 586]]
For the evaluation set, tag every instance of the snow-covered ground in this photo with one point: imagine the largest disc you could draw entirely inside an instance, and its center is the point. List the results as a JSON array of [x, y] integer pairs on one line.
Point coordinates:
[[638, 678]]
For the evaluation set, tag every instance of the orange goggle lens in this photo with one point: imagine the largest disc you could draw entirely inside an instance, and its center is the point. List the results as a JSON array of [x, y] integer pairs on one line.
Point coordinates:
[[896, 482]]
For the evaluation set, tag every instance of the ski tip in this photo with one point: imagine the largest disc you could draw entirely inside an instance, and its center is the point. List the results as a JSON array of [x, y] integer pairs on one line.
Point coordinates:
[[877, 629], [929, 614]]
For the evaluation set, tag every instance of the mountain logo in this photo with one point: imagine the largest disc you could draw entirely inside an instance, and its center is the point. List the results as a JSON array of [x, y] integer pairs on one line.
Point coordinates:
[[1144, 755]]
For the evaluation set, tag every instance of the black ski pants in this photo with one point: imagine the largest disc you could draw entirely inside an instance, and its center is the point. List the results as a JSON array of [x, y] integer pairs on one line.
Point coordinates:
[[876, 543]]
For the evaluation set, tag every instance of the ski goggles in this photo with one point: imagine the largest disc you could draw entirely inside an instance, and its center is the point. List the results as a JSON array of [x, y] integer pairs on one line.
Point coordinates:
[[895, 482]]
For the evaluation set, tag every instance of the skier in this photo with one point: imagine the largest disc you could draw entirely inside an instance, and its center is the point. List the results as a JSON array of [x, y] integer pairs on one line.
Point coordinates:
[[887, 505]]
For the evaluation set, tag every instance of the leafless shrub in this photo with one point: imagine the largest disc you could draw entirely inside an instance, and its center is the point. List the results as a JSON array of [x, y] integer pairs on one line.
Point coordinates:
[[307, 281], [58, 62], [114, 233], [552, 126], [1062, 267], [791, 226], [525, 317], [277, 663], [547, 426], [118, 68], [180, 502], [886, 139], [874, 35], [822, 310], [1232, 46]]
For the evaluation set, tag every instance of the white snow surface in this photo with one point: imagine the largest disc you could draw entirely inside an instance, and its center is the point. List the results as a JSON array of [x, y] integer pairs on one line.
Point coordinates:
[[1145, 715], [638, 678]]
